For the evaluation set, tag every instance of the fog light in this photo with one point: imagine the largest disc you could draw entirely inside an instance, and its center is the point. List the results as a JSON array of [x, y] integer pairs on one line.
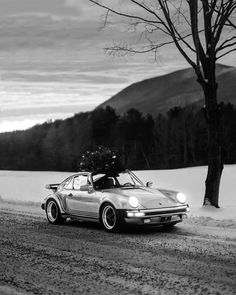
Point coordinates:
[[135, 214], [147, 220], [139, 214], [176, 217]]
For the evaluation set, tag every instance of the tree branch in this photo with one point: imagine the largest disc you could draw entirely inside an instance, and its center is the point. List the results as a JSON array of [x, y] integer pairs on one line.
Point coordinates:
[[227, 8], [231, 24], [200, 54], [162, 18], [123, 14], [127, 49], [226, 44], [229, 51]]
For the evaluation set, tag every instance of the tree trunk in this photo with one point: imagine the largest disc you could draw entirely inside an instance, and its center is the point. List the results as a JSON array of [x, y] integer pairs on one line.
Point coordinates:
[[215, 160], [185, 143], [215, 166]]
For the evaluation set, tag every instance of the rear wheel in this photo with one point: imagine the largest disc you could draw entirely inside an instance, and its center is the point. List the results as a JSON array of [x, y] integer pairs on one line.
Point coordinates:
[[53, 213], [110, 218]]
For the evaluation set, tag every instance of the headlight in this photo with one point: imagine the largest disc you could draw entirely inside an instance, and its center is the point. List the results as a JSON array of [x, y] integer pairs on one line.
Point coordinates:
[[181, 197], [133, 202]]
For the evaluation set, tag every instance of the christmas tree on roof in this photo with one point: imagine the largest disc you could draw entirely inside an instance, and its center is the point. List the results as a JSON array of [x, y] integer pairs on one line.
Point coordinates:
[[101, 160]]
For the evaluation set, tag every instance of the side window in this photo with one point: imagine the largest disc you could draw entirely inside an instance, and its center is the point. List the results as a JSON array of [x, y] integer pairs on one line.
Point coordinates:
[[80, 180], [68, 184]]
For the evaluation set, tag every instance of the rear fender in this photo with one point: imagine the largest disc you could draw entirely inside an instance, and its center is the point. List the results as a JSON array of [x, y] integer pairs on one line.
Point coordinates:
[[58, 201]]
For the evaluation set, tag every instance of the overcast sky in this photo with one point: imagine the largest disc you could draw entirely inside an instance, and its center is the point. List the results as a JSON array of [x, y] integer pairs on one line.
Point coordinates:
[[52, 61]]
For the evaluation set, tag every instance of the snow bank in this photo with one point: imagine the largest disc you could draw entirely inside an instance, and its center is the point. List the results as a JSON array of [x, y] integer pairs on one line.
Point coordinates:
[[27, 186]]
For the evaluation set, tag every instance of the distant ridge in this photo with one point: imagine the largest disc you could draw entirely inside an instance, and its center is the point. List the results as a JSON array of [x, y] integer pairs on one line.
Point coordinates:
[[180, 88]]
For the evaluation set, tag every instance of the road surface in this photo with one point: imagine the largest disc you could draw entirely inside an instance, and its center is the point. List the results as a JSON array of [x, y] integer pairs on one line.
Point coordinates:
[[81, 258]]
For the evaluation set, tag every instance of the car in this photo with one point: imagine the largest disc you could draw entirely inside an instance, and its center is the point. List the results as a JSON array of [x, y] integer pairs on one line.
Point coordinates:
[[113, 199]]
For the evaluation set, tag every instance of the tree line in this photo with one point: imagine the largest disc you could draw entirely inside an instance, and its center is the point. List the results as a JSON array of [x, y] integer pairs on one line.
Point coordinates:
[[174, 140]]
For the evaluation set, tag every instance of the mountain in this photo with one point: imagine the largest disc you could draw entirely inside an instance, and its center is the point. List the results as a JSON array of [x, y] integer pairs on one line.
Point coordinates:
[[180, 88]]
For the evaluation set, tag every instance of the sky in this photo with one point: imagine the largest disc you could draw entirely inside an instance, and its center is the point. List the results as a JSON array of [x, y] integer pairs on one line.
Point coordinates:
[[53, 63]]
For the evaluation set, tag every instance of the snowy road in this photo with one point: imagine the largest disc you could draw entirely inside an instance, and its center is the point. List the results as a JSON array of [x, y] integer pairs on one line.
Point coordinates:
[[81, 258]]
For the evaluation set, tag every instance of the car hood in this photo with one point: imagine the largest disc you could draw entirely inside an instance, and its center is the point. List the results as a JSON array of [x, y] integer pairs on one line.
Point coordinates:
[[149, 198]]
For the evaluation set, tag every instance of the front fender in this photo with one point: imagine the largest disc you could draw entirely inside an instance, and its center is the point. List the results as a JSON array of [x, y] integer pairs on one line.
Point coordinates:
[[118, 201], [171, 194], [168, 193]]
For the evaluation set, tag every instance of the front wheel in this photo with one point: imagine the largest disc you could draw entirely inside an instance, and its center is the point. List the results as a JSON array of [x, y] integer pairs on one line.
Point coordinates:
[[110, 218], [53, 213]]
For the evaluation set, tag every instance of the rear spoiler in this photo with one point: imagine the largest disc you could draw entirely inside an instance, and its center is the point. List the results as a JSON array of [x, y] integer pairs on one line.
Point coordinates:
[[53, 186]]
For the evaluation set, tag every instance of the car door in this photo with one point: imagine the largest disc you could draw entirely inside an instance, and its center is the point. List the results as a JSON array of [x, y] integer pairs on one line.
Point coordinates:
[[80, 202]]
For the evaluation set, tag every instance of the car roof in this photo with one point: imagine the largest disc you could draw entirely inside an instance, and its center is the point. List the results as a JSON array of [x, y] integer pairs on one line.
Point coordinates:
[[95, 173]]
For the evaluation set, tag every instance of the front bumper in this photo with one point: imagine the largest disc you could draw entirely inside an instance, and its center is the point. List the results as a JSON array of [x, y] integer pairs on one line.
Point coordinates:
[[160, 216]]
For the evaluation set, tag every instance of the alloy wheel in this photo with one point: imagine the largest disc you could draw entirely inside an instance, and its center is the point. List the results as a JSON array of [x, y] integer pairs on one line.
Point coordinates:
[[52, 211], [109, 217]]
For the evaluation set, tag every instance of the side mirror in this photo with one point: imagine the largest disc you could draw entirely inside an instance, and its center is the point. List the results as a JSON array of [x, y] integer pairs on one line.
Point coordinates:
[[86, 188], [149, 184]]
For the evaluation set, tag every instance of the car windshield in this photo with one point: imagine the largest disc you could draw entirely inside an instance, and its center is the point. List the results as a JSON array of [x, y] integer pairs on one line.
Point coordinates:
[[123, 179]]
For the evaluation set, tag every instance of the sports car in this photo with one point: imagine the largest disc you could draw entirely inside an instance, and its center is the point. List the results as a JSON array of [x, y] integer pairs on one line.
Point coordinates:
[[114, 200]]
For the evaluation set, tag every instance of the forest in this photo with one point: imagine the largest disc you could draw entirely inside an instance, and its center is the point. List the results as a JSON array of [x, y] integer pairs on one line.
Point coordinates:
[[173, 140]]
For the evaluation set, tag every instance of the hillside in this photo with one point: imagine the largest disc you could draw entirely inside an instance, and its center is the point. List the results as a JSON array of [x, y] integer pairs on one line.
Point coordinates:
[[180, 88]]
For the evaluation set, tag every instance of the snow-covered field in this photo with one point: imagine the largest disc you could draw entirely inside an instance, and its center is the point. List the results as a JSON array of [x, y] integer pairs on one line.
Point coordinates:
[[30, 187]]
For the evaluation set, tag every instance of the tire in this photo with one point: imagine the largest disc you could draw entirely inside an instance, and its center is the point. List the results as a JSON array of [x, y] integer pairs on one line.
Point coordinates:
[[110, 218], [53, 212]]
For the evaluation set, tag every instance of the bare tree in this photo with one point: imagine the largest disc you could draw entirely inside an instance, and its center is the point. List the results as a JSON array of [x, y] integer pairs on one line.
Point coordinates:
[[203, 32]]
